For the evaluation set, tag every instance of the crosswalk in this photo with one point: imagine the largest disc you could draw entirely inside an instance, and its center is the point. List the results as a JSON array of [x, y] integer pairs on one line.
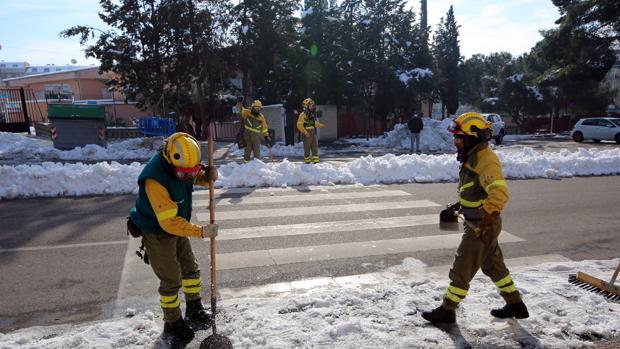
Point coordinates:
[[292, 236], [391, 210]]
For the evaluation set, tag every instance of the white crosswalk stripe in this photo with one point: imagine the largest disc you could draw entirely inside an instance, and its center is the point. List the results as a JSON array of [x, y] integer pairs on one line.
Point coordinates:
[[304, 198], [327, 227], [316, 210]]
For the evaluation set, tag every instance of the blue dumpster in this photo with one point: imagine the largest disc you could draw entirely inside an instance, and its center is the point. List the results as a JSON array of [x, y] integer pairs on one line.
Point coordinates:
[[155, 126]]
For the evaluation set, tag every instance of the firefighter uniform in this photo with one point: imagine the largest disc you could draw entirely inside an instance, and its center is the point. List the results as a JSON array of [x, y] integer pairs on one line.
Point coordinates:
[[307, 124], [255, 129], [162, 213], [483, 193], [481, 187]]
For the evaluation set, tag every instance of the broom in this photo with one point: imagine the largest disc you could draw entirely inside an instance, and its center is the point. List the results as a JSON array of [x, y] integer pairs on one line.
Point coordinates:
[[596, 285]]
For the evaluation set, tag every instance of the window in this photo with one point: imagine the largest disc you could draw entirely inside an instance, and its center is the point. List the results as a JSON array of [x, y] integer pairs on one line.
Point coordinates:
[[590, 122], [605, 123], [58, 91], [2, 65], [46, 70], [616, 121], [34, 70]]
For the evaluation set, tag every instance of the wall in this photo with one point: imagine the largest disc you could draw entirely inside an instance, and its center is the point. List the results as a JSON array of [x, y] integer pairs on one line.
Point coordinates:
[[329, 117]]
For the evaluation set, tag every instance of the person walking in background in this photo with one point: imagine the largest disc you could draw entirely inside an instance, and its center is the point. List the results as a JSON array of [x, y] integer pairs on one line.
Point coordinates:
[[307, 124], [161, 216], [415, 126], [255, 125]]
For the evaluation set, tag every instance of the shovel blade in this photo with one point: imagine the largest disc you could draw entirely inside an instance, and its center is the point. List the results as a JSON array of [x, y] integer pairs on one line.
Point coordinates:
[[216, 341]]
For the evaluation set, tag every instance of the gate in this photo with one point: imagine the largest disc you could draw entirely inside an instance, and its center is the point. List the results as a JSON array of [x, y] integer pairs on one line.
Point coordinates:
[[17, 106]]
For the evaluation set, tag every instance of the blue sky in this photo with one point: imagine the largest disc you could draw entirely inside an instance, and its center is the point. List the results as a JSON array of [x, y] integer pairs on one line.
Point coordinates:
[[29, 29]]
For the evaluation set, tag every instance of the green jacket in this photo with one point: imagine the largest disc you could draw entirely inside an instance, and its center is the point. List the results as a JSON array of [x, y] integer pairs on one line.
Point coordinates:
[[143, 214]]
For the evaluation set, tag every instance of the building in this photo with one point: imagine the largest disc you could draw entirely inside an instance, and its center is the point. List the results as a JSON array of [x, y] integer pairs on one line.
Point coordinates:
[[79, 86], [12, 69]]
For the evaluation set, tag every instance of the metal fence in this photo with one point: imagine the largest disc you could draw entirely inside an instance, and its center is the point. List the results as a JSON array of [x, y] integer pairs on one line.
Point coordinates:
[[18, 110]]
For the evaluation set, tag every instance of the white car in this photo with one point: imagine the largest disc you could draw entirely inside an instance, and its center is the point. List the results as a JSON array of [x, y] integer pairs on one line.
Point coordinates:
[[597, 129], [498, 127]]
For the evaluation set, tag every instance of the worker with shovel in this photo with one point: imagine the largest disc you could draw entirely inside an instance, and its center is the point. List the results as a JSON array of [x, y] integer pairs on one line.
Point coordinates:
[[162, 215], [307, 124], [255, 126], [482, 195]]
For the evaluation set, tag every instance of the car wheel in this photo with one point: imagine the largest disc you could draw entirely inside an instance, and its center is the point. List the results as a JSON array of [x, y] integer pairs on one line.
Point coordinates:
[[596, 140], [617, 138], [578, 137], [500, 137]]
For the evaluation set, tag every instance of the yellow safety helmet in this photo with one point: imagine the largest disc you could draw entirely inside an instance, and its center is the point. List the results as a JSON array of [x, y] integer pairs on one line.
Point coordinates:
[[308, 104], [256, 105], [472, 124], [182, 151]]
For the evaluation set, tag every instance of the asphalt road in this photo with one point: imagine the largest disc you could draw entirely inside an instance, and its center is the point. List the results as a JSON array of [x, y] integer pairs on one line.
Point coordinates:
[[61, 259]]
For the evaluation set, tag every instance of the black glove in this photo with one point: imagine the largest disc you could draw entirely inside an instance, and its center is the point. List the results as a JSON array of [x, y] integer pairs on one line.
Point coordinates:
[[486, 226], [210, 172], [268, 141]]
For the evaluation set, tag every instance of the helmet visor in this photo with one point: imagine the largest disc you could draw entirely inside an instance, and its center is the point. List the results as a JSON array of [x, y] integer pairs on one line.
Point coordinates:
[[184, 174]]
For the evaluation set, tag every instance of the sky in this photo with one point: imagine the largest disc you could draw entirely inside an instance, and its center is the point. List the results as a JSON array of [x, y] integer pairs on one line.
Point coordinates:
[[49, 172], [29, 29]]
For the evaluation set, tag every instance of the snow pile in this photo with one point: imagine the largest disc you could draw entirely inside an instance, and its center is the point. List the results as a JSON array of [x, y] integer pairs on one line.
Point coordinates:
[[434, 137], [19, 147], [55, 179], [386, 314]]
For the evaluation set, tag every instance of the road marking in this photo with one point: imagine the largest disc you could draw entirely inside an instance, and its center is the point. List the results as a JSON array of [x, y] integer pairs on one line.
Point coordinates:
[[326, 227], [301, 188], [360, 280], [302, 197], [316, 210], [54, 247], [305, 254]]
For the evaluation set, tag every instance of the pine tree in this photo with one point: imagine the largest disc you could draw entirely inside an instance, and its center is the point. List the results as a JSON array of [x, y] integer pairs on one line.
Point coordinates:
[[447, 56]]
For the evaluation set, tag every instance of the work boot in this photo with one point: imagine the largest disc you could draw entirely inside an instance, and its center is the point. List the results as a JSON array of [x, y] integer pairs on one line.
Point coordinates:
[[196, 315], [178, 332], [514, 310], [440, 315]]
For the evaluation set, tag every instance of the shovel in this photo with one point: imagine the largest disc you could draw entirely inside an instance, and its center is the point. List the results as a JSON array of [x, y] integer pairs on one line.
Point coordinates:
[[215, 340]]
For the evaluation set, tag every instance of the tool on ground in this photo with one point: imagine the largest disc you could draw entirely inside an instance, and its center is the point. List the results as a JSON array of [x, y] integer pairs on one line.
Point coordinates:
[[215, 340], [596, 285]]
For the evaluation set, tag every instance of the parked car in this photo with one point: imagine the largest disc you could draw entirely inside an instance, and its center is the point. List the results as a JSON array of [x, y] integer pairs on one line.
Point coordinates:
[[498, 127], [597, 129]]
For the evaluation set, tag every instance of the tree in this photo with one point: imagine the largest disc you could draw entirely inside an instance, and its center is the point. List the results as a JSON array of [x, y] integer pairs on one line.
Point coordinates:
[[265, 50], [167, 55], [447, 56]]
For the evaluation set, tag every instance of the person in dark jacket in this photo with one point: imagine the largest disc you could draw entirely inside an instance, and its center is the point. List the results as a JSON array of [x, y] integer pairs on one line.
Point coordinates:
[[415, 126], [162, 213]]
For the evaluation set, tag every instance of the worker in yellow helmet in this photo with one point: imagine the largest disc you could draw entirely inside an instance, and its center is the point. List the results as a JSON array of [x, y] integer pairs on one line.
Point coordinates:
[[255, 128], [307, 124], [162, 216], [483, 193]]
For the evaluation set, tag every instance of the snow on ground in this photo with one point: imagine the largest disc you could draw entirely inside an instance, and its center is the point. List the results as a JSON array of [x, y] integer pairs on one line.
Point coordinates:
[[22, 148], [385, 314], [51, 179]]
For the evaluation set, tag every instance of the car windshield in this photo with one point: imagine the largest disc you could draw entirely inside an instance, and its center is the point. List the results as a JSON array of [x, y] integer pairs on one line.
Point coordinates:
[[615, 121]]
